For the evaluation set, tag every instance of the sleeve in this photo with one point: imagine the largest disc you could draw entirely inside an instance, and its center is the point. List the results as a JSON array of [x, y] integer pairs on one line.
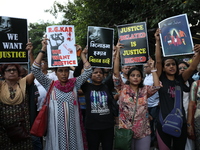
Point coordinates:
[[83, 77], [42, 79], [151, 90], [118, 83], [193, 91]]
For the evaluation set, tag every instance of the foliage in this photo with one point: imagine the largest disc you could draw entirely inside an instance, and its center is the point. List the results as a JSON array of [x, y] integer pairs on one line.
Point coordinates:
[[36, 32], [106, 13]]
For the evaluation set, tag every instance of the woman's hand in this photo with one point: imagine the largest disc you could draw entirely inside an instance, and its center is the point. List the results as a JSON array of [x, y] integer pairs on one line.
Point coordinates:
[[29, 47], [190, 131], [44, 44], [151, 64], [157, 35], [78, 47]]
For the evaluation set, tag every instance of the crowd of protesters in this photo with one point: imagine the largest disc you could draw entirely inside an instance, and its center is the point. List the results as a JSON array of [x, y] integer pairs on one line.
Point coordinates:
[[87, 103]]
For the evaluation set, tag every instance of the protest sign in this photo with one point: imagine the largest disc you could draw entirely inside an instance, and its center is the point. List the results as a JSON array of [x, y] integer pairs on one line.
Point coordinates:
[[175, 36], [135, 43], [100, 43], [13, 40], [61, 51]]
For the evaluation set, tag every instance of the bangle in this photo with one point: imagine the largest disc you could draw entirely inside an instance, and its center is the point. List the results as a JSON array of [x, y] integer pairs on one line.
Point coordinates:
[[154, 70], [87, 67], [85, 62], [43, 52]]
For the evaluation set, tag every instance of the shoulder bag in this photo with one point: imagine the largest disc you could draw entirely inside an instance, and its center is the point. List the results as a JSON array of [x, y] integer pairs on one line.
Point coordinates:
[[39, 126], [173, 122], [123, 137]]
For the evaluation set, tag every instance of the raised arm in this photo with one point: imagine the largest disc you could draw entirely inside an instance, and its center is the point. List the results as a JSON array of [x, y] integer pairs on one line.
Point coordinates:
[[116, 71], [188, 72], [158, 55], [30, 77], [156, 80]]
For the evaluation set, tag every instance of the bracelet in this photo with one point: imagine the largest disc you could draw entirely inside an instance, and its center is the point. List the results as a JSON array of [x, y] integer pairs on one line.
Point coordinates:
[[188, 125], [41, 51], [87, 67], [154, 70]]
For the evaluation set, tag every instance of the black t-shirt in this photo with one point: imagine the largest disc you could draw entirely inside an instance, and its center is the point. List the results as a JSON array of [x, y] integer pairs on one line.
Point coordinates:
[[167, 95], [98, 106]]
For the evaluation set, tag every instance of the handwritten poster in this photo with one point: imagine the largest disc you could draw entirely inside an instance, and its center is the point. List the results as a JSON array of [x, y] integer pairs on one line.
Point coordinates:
[[60, 49], [13, 40], [100, 43], [135, 43], [175, 36]]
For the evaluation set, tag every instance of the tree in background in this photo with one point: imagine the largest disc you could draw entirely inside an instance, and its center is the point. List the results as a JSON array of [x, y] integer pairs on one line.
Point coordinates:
[[106, 13], [36, 32]]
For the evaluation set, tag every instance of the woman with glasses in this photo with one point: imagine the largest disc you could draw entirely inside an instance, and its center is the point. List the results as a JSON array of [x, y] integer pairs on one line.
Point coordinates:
[[168, 72], [14, 109], [64, 129]]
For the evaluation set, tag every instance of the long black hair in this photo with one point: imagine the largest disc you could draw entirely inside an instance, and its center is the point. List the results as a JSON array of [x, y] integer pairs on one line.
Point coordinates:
[[129, 73]]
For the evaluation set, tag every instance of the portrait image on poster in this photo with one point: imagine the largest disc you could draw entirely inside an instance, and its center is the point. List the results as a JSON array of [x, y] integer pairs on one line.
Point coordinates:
[[100, 42], [13, 33], [135, 43], [175, 36], [61, 50]]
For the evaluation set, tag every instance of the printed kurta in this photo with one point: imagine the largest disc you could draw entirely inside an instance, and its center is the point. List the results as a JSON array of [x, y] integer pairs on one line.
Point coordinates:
[[127, 102], [64, 132]]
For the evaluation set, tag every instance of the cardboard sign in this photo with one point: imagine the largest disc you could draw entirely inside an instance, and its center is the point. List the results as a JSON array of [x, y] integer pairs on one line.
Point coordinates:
[[61, 51], [100, 43], [135, 44], [13, 40], [175, 36]]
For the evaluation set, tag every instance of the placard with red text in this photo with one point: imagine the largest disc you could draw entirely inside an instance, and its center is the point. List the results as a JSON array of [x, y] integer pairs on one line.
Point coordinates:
[[135, 44], [60, 49]]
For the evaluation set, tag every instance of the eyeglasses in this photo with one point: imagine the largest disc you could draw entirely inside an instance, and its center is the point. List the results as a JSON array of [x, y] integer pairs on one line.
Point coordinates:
[[182, 68], [9, 70]]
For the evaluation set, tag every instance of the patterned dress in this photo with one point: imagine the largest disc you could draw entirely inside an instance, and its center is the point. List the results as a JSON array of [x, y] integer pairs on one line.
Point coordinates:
[[10, 114], [127, 102], [195, 96], [64, 132]]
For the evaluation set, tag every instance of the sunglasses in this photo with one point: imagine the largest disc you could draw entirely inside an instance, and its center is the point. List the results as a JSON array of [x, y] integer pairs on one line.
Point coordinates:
[[9, 70], [182, 68]]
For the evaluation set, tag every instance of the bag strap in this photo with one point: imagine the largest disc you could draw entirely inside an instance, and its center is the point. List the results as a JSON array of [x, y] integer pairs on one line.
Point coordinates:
[[135, 107], [177, 102], [178, 97], [47, 98]]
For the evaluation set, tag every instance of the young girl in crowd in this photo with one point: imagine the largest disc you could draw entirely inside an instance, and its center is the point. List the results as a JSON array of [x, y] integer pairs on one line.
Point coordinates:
[[167, 70], [129, 93]]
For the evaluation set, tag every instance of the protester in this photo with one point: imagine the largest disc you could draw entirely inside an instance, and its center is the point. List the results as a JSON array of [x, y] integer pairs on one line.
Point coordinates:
[[127, 101], [167, 70], [186, 91], [153, 103], [64, 130], [194, 113], [99, 121], [124, 73], [14, 106]]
